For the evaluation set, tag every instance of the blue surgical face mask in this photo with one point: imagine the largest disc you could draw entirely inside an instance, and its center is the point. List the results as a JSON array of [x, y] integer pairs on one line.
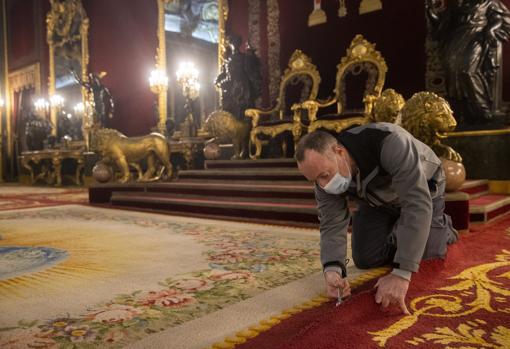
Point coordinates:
[[338, 184]]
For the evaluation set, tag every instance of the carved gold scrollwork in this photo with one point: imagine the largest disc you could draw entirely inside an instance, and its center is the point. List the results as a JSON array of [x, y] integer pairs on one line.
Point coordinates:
[[474, 291], [67, 28], [300, 68], [361, 56]]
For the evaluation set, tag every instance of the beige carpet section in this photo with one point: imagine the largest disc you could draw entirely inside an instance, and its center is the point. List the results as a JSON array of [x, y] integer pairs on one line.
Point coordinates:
[[84, 277], [204, 332]]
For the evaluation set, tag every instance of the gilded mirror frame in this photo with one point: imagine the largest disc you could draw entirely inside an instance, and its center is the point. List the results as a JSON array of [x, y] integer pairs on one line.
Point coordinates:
[[58, 21], [161, 63]]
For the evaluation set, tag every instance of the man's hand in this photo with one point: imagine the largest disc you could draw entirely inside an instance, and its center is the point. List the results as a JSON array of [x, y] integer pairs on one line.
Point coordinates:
[[334, 282], [392, 289]]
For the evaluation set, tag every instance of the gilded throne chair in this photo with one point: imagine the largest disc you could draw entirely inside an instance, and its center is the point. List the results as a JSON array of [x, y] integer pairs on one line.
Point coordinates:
[[300, 82], [359, 81]]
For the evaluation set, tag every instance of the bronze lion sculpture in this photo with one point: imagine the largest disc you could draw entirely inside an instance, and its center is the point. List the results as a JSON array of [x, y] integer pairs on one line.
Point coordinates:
[[124, 151]]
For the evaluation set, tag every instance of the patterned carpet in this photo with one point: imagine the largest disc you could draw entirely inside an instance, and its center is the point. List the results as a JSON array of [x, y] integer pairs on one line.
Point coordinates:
[[14, 197], [463, 302], [82, 277]]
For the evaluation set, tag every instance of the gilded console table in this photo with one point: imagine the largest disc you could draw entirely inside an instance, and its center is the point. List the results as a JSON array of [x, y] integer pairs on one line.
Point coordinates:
[[189, 147], [51, 164]]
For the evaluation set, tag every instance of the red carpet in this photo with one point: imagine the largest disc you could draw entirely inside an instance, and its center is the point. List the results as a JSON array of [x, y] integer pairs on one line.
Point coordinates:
[[27, 199], [463, 301]]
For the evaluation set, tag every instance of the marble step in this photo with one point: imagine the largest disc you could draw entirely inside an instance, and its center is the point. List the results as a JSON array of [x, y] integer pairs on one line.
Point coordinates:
[[488, 207]]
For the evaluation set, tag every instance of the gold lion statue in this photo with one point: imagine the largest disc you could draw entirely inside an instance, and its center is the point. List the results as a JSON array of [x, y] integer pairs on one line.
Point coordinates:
[[124, 151], [225, 128], [388, 106], [426, 115]]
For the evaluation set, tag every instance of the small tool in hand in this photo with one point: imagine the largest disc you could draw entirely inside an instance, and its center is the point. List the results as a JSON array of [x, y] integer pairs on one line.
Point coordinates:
[[339, 300]]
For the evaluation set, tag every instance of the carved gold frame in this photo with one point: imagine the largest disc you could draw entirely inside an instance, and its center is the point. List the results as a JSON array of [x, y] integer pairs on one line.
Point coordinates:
[[51, 18], [161, 52]]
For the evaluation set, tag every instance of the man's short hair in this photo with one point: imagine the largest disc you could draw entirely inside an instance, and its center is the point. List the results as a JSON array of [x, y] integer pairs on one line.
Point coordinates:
[[319, 141]]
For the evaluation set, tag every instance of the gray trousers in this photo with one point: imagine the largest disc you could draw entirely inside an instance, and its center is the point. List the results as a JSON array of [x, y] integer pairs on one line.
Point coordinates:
[[373, 240]]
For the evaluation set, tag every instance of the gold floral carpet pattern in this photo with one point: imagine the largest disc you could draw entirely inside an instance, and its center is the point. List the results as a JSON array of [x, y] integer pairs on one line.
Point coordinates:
[[80, 277], [461, 302]]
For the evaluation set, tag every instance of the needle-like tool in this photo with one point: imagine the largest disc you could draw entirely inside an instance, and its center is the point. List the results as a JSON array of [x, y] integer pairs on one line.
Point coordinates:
[[339, 300]]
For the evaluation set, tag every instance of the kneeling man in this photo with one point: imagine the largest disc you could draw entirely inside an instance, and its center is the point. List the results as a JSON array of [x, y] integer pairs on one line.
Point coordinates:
[[398, 184]]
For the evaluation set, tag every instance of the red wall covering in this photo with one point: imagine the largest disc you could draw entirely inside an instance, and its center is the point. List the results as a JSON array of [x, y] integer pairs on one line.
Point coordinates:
[[398, 31], [122, 42], [22, 27]]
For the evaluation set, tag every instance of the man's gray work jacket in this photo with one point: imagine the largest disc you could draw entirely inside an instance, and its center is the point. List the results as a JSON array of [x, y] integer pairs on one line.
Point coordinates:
[[395, 171]]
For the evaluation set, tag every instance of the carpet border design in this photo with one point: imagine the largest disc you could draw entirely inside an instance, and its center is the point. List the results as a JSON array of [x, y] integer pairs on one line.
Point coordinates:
[[266, 324]]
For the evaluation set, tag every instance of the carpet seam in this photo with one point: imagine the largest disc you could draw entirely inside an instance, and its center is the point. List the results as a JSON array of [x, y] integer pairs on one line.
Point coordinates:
[[252, 331]]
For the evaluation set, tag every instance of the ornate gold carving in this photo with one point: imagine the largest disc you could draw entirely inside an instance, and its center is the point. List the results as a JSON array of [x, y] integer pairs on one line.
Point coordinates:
[[222, 20], [114, 147], [51, 165], [387, 107], [361, 55], [369, 6], [26, 77], [225, 128], [273, 44], [475, 291], [67, 35], [300, 66], [425, 115]]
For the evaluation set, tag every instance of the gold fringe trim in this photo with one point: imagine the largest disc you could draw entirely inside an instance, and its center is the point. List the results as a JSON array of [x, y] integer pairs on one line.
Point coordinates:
[[264, 325]]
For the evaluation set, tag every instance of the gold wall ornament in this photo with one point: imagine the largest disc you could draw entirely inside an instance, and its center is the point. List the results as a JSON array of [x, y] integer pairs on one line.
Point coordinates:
[[317, 16], [369, 6], [116, 148], [426, 115], [342, 9], [475, 290]]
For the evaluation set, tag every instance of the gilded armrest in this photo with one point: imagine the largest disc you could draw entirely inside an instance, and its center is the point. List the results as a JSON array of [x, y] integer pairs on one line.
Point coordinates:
[[312, 107], [369, 101], [255, 114]]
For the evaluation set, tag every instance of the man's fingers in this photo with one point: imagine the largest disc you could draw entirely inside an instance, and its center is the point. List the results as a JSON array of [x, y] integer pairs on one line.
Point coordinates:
[[378, 297], [377, 283], [403, 306], [385, 302]]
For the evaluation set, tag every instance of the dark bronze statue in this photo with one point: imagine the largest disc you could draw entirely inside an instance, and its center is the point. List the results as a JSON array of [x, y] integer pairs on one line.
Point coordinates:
[[240, 78], [103, 101], [37, 131], [468, 33]]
